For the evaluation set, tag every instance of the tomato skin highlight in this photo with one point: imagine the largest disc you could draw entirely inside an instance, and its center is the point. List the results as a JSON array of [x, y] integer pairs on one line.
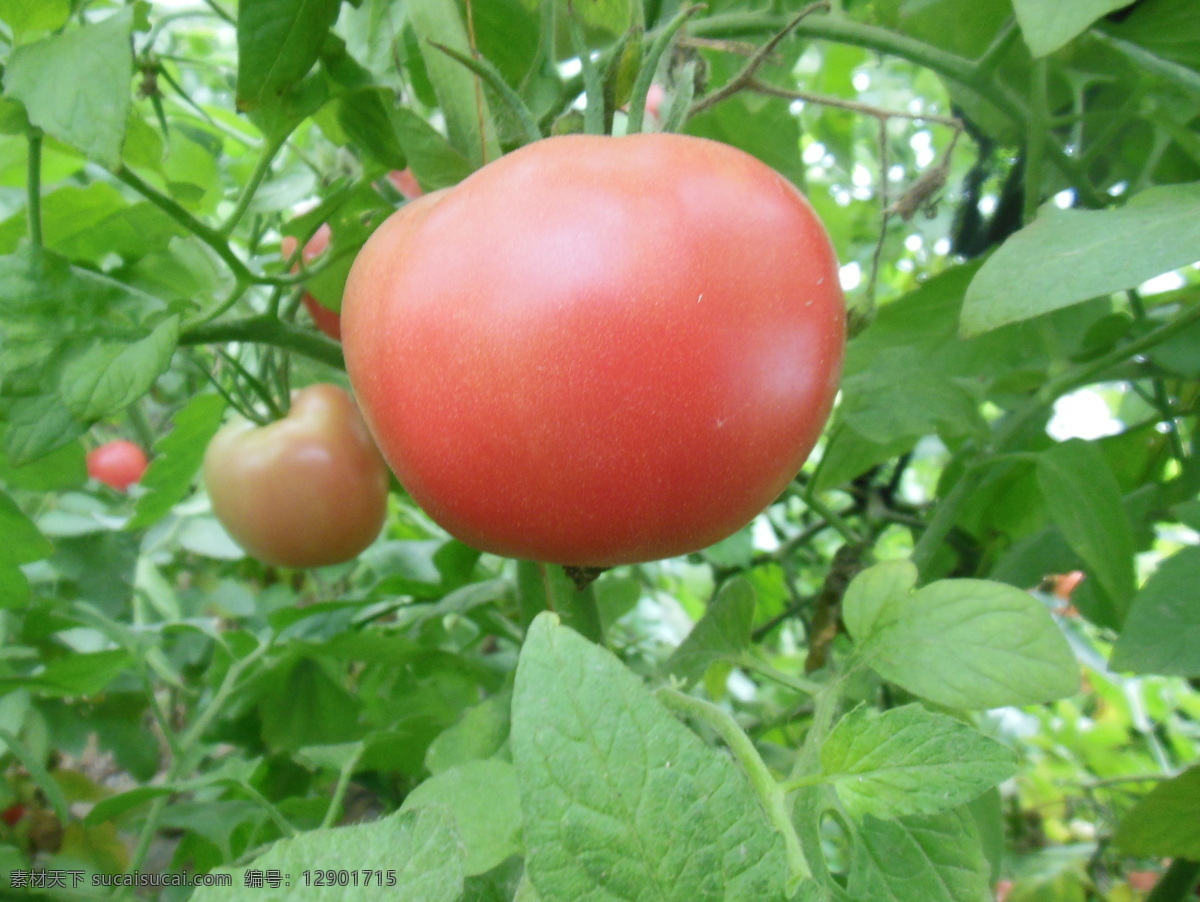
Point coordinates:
[[597, 351], [309, 490], [118, 464], [325, 319]]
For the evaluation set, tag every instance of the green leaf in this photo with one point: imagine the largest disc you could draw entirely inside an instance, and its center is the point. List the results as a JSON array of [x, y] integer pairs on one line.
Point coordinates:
[[329, 714], [279, 41], [1068, 256], [177, 458], [85, 674], [1162, 632], [1048, 26], [65, 468], [364, 116], [14, 587], [870, 593], [112, 376], [479, 734], [964, 643], [909, 761], [23, 542], [599, 761], [87, 223], [1084, 501], [38, 426], [723, 633], [468, 119], [486, 805], [1166, 822], [34, 15], [420, 847], [76, 85], [934, 858]]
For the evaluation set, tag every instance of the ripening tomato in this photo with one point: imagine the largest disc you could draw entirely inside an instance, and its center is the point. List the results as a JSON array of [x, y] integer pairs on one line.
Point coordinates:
[[118, 464], [325, 319], [406, 183], [596, 351], [306, 491], [12, 814]]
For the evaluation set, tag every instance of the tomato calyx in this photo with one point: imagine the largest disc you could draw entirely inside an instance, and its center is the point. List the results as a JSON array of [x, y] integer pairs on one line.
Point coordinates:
[[583, 577]]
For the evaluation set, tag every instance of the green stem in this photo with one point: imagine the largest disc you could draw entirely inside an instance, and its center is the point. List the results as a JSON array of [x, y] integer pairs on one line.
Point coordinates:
[[808, 687], [140, 425], [770, 794], [187, 744], [339, 792], [276, 816], [268, 330], [1177, 883], [1162, 399], [34, 187], [830, 516], [593, 87], [1036, 133], [265, 159], [790, 786], [209, 236]]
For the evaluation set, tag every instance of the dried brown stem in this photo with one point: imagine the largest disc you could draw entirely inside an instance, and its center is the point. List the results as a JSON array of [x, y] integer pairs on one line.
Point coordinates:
[[746, 77], [853, 106]]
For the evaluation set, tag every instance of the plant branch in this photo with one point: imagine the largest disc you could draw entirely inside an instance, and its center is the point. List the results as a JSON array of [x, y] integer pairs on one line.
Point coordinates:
[[339, 791], [268, 330], [962, 71], [209, 236], [853, 106], [34, 186], [770, 794], [265, 159], [745, 77]]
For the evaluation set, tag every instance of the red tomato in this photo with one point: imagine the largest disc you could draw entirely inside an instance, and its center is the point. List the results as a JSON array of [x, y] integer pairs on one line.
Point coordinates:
[[406, 183], [326, 320], [306, 491], [597, 351], [118, 464], [13, 814]]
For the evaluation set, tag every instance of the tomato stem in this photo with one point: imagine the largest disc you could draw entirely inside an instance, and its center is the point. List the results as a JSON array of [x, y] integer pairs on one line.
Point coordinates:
[[771, 795]]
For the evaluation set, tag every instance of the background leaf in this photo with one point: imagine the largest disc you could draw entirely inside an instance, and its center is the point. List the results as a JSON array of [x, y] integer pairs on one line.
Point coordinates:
[[1162, 632], [969, 643], [1068, 256], [75, 85]]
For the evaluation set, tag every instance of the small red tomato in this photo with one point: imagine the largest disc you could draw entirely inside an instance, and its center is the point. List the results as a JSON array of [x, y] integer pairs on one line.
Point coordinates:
[[118, 464], [326, 320], [406, 183], [12, 814], [597, 351], [306, 491]]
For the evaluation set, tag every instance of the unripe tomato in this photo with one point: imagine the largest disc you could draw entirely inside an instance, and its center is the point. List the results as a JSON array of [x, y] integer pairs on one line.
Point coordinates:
[[596, 351], [306, 491], [118, 464], [324, 318]]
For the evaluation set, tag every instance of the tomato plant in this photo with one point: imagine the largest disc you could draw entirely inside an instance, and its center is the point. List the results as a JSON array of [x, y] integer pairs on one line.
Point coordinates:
[[306, 491], [588, 349], [118, 463], [598, 351]]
